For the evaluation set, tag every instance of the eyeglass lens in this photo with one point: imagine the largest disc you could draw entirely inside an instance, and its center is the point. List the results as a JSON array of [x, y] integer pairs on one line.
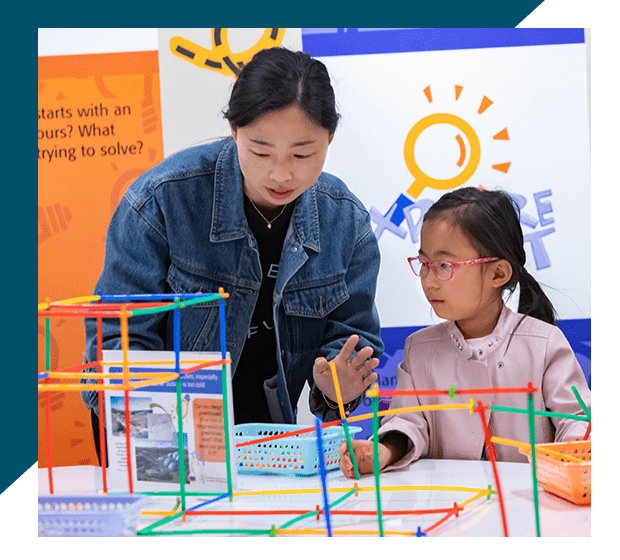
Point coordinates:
[[442, 269]]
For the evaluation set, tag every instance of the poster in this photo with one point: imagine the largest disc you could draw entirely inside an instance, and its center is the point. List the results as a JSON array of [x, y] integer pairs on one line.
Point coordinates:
[[99, 128], [154, 414]]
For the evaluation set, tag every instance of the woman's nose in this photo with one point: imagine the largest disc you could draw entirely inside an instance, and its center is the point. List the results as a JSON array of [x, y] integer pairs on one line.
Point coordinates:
[[280, 173]]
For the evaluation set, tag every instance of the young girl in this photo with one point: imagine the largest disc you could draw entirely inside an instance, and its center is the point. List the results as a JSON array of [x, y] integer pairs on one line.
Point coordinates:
[[471, 252]]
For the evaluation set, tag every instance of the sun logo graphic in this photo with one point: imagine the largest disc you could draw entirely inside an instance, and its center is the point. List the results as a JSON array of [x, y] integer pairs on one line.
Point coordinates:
[[442, 151], [464, 166], [220, 58]]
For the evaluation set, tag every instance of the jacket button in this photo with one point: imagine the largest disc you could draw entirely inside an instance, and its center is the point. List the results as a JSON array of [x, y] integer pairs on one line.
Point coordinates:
[[294, 249]]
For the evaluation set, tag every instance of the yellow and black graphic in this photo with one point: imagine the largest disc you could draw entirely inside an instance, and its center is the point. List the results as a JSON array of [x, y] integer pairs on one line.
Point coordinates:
[[422, 179], [220, 58]]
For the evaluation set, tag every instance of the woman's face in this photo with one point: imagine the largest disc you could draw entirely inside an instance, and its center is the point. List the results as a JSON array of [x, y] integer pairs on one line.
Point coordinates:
[[281, 155]]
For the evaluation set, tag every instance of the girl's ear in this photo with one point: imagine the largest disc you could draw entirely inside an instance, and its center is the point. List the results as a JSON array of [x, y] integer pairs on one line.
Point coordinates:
[[502, 273], [233, 132]]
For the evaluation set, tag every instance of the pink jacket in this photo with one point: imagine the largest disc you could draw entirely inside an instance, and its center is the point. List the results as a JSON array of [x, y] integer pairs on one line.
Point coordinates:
[[438, 357]]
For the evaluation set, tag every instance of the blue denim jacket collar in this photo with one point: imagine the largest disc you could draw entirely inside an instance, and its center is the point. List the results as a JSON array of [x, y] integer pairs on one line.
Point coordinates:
[[229, 220]]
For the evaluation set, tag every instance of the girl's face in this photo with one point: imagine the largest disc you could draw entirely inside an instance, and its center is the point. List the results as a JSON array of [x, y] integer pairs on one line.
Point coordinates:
[[281, 155], [472, 297]]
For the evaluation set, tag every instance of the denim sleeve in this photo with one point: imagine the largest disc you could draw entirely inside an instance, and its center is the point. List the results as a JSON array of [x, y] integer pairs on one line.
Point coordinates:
[[136, 261], [357, 315]]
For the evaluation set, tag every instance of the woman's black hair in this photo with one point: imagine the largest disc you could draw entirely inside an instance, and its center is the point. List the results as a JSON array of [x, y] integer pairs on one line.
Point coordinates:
[[276, 78], [490, 219]]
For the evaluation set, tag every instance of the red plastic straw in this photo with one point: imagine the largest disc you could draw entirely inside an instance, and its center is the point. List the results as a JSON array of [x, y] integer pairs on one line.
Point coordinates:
[[204, 365], [453, 511], [125, 345], [287, 434], [588, 431], [48, 439], [48, 421], [491, 455], [438, 392], [102, 440]]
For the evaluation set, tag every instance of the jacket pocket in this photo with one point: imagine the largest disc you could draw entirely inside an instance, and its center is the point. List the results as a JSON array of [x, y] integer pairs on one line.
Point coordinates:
[[317, 300], [306, 312], [199, 322]]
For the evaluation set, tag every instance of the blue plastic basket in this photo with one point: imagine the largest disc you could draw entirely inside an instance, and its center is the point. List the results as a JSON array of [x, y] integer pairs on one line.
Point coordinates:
[[90, 516], [295, 455]]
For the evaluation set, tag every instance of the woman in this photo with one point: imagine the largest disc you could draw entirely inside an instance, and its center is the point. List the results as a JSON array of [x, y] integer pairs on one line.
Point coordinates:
[[255, 215]]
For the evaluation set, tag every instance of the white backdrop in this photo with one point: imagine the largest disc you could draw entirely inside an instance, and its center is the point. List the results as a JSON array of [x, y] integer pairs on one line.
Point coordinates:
[[540, 112]]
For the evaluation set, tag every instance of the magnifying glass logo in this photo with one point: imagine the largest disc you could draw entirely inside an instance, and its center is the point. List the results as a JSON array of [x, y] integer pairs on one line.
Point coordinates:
[[421, 179]]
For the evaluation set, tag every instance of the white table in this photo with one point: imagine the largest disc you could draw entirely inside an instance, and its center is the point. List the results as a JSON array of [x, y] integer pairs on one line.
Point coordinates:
[[481, 517]]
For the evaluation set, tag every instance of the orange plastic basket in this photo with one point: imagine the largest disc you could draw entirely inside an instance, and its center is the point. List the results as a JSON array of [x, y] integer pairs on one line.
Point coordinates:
[[564, 469]]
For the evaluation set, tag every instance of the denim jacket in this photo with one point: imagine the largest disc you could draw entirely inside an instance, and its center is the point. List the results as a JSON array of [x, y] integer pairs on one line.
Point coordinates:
[[181, 228]]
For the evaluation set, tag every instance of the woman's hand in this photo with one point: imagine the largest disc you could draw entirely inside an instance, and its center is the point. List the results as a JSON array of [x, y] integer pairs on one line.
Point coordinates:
[[354, 375], [363, 457]]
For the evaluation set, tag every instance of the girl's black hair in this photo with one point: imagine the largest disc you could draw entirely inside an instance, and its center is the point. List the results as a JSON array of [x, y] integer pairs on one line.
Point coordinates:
[[490, 219], [276, 78]]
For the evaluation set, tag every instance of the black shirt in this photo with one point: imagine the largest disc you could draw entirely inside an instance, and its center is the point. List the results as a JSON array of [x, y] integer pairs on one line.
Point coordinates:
[[258, 360]]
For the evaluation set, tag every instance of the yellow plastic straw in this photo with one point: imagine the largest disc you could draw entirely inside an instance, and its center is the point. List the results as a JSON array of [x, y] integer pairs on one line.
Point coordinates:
[[343, 420], [540, 449], [137, 375], [75, 387], [81, 299], [388, 412], [484, 491]]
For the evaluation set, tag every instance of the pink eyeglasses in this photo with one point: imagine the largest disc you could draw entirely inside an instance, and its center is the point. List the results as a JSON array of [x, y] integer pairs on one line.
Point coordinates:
[[444, 270]]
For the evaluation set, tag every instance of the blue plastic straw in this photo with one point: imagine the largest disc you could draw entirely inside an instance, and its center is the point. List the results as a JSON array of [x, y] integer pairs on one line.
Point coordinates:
[[323, 471], [226, 495], [225, 389], [178, 384]]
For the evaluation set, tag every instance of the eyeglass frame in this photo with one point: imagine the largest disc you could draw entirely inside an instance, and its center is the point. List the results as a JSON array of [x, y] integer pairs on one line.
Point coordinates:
[[453, 265]]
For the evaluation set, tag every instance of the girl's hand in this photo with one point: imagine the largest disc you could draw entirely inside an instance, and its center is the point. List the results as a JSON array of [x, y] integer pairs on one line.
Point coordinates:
[[363, 457], [354, 375]]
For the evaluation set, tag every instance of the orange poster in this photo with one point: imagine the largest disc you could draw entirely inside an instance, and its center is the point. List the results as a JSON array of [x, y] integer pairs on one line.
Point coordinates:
[[99, 129], [209, 430]]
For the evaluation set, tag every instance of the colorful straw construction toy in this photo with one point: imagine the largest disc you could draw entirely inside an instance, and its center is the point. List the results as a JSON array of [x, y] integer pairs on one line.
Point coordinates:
[[219, 505]]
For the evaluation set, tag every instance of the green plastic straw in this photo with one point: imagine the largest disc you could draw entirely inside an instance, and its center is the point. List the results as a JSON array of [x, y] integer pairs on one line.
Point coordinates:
[[343, 421], [581, 403], [180, 443], [176, 305], [350, 447], [227, 442], [226, 434], [375, 460], [47, 344], [540, 413], [210, 531], [148, 530], [312, 513], [530, 406], [175, 493]]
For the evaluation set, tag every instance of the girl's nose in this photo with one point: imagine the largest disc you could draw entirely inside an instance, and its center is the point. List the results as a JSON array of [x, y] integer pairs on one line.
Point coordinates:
[[430, 280]]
